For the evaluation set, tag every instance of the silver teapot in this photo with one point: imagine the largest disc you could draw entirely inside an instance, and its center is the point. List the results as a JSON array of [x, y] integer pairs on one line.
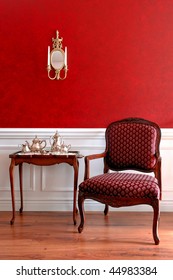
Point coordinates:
[[56, 142], [37, 145]]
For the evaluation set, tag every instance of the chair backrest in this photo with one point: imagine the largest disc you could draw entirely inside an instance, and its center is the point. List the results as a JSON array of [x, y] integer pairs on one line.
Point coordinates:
[[132, 143]]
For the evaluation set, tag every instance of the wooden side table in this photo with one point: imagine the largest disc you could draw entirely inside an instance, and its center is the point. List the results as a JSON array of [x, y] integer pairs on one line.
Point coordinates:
[[47, 159]]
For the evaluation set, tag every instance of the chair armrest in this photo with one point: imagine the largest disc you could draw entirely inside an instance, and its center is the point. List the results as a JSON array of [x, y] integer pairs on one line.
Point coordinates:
[[158, 174], [87, 163]]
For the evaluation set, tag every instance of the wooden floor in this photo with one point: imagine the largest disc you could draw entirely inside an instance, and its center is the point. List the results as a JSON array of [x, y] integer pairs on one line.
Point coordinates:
[[52, 235]]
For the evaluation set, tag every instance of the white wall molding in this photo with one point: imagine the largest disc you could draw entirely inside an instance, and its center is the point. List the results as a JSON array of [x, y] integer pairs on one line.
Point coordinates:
[[49, 188]]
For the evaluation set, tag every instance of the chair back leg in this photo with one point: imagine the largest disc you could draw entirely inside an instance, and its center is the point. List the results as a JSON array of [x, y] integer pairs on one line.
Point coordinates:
[[106, 210]]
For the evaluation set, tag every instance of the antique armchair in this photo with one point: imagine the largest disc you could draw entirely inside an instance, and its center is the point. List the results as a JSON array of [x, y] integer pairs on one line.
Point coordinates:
[[131, 144]]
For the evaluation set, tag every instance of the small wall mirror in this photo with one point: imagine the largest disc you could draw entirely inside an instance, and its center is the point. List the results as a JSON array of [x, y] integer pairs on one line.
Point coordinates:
[[57, 59]]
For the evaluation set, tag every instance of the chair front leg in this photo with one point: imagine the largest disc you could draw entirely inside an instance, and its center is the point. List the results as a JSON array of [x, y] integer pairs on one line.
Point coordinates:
[[156, 215], [81, 199]]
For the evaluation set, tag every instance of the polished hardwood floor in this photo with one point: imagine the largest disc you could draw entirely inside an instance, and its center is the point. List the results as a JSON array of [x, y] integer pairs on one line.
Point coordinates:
[[52, 235]]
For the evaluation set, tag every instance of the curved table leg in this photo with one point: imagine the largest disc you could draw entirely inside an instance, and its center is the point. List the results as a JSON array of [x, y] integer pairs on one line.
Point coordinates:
[[11, 169], [76, 169], [21, 186]]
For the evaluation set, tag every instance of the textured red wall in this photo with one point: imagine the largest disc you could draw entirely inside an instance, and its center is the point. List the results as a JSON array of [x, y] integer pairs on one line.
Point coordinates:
[[120, 57]]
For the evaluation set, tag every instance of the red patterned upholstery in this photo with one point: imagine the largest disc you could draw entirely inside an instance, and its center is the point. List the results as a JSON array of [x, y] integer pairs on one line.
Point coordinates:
[[122, 185], [131, 144]]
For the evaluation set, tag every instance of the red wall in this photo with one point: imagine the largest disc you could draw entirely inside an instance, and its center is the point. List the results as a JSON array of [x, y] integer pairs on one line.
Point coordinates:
[[120, 58]]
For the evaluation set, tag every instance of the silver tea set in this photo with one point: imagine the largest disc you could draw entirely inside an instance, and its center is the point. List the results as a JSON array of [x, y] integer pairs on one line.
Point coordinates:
[[57, 145]]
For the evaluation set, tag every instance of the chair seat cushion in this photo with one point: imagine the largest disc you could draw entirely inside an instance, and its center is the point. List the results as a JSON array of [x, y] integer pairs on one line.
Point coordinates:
[[128, 185]]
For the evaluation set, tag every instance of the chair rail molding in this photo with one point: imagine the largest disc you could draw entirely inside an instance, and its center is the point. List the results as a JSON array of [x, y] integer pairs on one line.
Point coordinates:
[[51, 188]]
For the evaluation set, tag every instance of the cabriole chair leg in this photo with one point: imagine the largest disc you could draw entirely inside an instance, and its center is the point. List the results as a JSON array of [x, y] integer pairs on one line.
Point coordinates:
[[155, 221], [81, 212]]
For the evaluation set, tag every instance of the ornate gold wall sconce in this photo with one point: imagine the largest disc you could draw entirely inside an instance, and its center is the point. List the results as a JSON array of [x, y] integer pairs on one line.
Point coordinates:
[[57, 59]]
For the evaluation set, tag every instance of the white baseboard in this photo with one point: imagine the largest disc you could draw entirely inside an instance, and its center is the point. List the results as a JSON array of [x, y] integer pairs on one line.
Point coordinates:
[[165, 206]]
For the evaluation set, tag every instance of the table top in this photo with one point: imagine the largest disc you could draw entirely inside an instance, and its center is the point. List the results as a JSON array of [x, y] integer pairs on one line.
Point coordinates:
[[45, 154]]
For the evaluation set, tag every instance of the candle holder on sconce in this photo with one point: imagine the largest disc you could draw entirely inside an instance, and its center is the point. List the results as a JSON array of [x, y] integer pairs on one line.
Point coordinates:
[[57, 59]]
